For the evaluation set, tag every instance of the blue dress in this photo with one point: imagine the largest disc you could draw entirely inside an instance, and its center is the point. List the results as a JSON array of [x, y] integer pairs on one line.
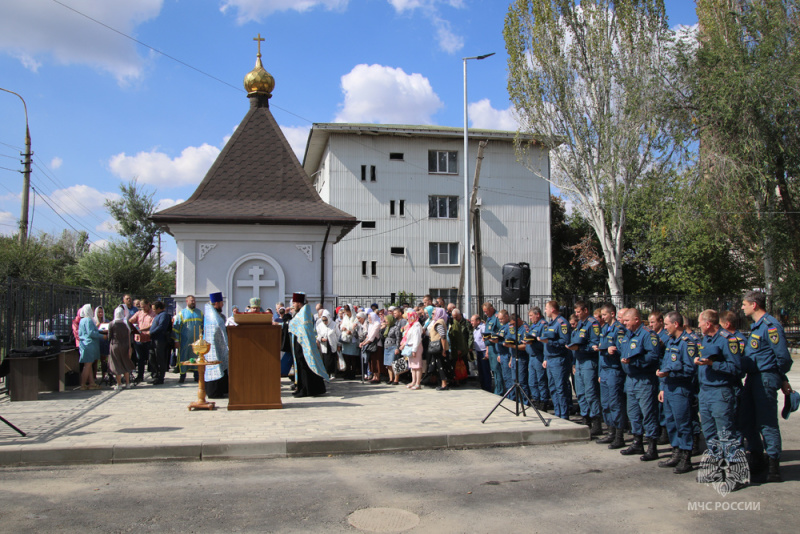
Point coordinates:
[[89, 340]]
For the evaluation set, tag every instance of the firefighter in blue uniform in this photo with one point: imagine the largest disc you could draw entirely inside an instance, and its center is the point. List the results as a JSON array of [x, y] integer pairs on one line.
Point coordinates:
[[504, 352], [584, 339], [555, 337], [656, 323], [612, 379], [537, 376], [492, 327], [676, 373], [640, 359], [718, 369], [766, 362]]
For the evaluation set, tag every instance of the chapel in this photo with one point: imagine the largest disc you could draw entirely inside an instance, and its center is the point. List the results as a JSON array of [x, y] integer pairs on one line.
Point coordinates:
[[255, 226]]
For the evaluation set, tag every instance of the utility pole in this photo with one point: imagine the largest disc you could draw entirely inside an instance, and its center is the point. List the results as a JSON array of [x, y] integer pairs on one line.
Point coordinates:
[[465, 256], [26, 181]]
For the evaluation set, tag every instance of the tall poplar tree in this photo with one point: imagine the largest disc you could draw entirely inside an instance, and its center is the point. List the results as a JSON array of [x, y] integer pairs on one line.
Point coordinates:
[[592, 75]]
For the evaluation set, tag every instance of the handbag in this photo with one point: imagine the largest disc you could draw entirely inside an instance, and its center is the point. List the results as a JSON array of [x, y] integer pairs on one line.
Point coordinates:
[[372, 346], [407, 351], [400, 365], [461, 370], [435, 347]]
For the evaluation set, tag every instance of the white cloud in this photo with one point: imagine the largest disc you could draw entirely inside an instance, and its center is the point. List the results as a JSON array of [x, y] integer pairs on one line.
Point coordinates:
[[448, 41], [108, 226], [483, 115], [165, 203], [374, 93], [157, 168], [256, 10], [99, 243], [56, 163], [80, 200], [8, 223], [297, 137], [33, 30]]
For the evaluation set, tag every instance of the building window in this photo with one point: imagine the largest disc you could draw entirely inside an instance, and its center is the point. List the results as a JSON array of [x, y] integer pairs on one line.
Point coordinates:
[[402, 208], [443, 207], [374, 268], [396, 156], [368, 225], [443, 253], [391, 207], [398, 250], [363, 173], [372, 175], [364, 268], [449, 294], [442, 162]]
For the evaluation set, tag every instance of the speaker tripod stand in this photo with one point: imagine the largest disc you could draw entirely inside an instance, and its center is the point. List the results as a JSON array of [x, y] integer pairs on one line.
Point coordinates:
[[516, 389]]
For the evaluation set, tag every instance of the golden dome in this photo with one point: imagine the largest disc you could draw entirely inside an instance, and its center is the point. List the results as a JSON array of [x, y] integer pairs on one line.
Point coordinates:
[[259, 80]]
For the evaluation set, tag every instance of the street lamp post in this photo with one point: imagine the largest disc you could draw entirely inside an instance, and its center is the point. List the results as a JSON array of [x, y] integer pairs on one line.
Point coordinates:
[[467, 245], [26, 182]]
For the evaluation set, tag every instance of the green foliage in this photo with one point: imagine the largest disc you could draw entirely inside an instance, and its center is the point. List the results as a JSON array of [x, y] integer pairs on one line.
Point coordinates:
[[132, 213], [573, 273], [115, 268], [402, 297], [44, 258]]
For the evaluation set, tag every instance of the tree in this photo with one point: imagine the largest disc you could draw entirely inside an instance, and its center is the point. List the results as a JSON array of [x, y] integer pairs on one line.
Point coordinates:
[[44, 258], [133, 212], [591, 76], [576, 265], [111, 269], [742, 78]]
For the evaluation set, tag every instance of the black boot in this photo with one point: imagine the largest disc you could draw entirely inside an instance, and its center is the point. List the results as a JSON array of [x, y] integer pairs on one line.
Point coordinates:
[[619, 439], [673, 460], [696, 450], [652, 450], [774, 474], [635, 447], [663, 439], [685, 463], [596, 426], [608, 438]]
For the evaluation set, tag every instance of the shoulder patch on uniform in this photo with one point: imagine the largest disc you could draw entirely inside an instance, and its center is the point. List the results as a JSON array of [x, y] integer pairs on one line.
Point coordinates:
[[563, 329], [654, 340], [690, 350], [773, 335], [733, 345], [596, 328]]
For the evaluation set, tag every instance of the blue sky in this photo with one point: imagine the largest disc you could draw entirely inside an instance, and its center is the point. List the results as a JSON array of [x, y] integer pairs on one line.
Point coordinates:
[[103, 108]]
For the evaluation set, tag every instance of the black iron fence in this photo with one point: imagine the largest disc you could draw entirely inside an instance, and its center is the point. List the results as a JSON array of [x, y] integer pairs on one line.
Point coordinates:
[[690, 306], [31, 308]]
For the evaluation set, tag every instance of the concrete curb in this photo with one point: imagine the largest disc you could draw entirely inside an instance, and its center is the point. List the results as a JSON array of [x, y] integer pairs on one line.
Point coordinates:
[[15, 455]]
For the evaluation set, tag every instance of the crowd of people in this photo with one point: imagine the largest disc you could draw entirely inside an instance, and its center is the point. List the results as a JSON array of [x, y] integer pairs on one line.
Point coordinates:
[[663, 382]]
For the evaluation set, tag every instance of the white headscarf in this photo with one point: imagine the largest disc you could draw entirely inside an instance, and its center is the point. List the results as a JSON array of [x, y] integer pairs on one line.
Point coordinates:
[[121, 314], [97, 319], [86, 311]]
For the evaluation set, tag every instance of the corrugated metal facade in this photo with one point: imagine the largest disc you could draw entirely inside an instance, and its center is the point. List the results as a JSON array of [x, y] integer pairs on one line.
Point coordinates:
[[515, 213]]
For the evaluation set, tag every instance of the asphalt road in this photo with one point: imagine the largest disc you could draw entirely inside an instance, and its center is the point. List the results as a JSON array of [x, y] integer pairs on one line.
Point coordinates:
[[561, 488]]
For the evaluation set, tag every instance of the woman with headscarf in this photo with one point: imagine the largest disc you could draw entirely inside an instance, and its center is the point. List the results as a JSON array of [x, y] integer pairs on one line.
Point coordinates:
[[120, 349], [348, 339], [412, 338], [437, 330], [370, 347], [391, 341], [328, 341], [89, 344], [100, 323]]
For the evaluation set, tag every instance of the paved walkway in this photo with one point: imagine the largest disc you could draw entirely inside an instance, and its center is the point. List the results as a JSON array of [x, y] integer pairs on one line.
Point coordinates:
[[152, 422]]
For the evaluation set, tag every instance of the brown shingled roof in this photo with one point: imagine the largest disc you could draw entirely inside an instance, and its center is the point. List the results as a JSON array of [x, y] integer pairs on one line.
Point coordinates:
[[256, 179]]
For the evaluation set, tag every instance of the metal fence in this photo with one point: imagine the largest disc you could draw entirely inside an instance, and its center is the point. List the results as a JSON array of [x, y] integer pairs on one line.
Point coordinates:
[[31, 308], [690, 306]]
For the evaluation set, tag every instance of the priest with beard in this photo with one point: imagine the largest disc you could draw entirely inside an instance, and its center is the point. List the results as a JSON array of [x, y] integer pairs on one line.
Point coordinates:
[[216, 335], [310, 374]]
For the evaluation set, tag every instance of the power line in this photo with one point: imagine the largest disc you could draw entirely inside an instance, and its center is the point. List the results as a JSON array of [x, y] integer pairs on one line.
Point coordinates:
[[44, 199], [12, 170]]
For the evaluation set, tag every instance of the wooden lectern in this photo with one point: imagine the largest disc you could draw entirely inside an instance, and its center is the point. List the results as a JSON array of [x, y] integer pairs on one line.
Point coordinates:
[[254, 366]]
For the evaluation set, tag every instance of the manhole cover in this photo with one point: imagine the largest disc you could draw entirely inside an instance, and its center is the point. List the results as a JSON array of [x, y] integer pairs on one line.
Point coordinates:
[[383, 520]]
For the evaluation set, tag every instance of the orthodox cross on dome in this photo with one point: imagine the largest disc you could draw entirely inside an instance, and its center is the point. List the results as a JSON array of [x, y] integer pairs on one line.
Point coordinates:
[[256, 283], [260, 40]]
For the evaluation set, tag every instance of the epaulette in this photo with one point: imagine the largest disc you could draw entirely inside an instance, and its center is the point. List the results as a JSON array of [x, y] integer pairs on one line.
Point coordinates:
[[725, 333]]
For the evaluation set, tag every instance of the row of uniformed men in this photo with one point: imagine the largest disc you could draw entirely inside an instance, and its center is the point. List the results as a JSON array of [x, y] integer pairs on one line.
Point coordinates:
[[654, 377]]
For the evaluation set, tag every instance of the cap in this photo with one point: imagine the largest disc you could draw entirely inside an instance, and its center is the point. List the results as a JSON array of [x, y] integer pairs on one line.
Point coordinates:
[[791, 401], [215, 297], [255, 302], [299, 297]]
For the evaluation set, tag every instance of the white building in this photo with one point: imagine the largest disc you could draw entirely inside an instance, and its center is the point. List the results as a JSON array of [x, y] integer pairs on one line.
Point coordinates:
[[405, 185]]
